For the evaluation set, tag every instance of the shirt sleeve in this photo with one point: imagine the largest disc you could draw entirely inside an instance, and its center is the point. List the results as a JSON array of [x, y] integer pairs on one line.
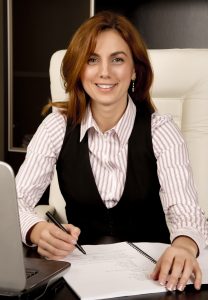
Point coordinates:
[[177, 192], [36, 172]]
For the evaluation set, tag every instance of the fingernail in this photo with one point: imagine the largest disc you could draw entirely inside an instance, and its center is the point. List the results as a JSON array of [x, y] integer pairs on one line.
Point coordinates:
[[170, 288], [180, 288], [73, 242]]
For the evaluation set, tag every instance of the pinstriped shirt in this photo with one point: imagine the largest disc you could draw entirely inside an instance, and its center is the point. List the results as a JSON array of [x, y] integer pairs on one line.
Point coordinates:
[[108, 157]]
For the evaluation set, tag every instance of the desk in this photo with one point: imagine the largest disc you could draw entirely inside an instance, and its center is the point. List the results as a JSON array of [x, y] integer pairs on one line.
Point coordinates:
[[61, 291], [190, 294]]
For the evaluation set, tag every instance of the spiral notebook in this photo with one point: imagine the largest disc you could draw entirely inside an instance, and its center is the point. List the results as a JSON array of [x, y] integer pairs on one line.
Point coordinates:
[[116, 270], [142, 252]]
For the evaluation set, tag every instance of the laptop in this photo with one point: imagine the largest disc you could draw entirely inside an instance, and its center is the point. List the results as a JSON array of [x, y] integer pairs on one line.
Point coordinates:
[[20, 275]]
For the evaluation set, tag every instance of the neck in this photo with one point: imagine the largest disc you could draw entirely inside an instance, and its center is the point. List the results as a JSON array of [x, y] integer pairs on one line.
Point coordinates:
[[107, 116]]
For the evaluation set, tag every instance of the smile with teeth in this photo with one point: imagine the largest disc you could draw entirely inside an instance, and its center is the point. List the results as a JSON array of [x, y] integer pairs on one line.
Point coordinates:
[[105, 86]]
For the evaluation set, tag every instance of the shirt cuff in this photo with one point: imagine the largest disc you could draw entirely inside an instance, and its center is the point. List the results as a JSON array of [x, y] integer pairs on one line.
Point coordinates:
[[27, 225], [193, 234]]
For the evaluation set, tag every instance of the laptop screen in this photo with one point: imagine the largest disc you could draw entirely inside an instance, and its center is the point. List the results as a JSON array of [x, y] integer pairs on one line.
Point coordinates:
[[12, 261]]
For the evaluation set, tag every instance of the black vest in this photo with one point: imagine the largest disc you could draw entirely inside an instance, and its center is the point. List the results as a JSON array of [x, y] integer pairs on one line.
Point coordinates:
[[138, 216]]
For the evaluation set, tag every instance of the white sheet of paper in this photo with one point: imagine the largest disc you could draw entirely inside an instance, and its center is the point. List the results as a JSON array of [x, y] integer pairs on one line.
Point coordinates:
[[114, 270]]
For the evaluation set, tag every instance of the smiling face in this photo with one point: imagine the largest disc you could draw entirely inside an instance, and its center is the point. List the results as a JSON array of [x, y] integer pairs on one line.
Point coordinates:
[[109, 70]]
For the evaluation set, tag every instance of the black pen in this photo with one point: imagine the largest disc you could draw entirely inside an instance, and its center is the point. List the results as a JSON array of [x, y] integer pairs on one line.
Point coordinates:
[[56, 222]]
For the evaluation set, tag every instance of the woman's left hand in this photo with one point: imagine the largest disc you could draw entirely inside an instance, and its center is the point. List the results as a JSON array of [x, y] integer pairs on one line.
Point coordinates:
[[178, 265]]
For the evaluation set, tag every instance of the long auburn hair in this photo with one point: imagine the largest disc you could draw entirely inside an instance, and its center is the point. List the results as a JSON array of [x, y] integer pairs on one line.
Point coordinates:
[[83, 44]]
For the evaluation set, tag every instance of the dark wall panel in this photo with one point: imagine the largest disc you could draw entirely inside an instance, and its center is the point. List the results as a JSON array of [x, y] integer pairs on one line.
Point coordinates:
[[165, 23]]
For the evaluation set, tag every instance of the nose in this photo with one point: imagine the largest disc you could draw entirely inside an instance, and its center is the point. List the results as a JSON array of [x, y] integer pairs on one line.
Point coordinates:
[[104, 70]]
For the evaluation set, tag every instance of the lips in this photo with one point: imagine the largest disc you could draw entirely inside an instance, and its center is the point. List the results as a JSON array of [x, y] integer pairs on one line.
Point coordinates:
[[105, 86]]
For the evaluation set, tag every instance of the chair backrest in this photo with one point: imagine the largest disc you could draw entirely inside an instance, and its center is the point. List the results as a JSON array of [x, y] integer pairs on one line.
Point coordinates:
[[180, 88]]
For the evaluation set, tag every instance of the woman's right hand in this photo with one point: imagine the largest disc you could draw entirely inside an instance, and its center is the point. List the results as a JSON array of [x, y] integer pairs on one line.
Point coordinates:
[[53, 242]]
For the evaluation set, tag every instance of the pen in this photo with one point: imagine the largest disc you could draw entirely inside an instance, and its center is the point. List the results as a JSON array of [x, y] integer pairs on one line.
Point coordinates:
[[56, 222]]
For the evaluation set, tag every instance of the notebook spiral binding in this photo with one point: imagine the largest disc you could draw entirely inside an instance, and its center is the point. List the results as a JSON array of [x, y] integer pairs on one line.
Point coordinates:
[[142, 252]]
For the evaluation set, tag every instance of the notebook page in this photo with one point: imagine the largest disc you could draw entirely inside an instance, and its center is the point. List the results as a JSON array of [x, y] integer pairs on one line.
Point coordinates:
[[110, 270], [113, 270]]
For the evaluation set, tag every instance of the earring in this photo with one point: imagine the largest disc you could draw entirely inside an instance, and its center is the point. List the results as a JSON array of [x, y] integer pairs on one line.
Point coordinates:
[[133, 87]]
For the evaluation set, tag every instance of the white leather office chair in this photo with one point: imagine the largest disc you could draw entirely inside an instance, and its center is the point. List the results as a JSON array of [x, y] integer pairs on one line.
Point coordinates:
[[180, 88]]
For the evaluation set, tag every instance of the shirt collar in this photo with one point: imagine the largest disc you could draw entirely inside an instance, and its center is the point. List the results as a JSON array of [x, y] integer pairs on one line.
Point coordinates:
[[87, 123], [123, 128]]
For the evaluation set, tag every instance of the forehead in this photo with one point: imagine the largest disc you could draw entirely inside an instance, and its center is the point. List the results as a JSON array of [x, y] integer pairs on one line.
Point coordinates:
[[111, 41]]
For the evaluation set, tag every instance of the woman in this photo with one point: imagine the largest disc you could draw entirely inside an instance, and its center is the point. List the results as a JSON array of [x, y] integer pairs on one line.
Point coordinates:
[[123, 169]]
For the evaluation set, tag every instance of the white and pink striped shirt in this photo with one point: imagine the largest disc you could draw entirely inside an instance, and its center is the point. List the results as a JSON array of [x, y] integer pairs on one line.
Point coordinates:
[[108, 158]]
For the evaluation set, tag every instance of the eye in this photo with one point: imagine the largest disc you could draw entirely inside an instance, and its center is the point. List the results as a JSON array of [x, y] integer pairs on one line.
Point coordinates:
[[118, 60], [92, 60]]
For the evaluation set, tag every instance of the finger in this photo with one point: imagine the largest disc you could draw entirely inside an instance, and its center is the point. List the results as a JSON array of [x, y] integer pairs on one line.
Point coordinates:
[[177, 273], [155, 273], [165, 270], [73, 230], [58, 239], [46, 254], [59, 234], [49, 250], [198, 278], [61, 244], [191, 271], [53, 239]]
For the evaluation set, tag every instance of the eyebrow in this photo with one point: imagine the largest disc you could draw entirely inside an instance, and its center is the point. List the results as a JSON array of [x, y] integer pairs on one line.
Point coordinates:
[[112, 54]]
